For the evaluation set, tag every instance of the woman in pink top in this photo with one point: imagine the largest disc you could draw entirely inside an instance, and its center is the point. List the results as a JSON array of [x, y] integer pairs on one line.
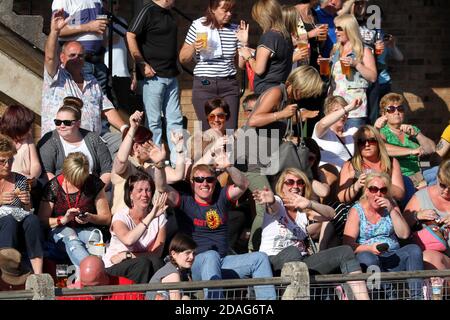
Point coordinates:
[[138, 232]]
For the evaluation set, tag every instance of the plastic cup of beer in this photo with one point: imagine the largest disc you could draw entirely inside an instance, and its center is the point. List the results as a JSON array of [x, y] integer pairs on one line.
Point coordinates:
[[324, 64], [379, 48], [323, 37], [102, 17], [203, 37], [345, 69]]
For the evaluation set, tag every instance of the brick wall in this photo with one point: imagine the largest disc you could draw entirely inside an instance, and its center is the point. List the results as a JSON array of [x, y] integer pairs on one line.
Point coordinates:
[[419, 25]]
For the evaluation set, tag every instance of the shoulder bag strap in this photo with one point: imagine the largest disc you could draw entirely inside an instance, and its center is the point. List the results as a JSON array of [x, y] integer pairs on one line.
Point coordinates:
[[340, 140]]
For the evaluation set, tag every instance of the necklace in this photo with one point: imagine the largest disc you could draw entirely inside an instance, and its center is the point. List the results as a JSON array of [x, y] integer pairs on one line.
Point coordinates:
[[68, 199]]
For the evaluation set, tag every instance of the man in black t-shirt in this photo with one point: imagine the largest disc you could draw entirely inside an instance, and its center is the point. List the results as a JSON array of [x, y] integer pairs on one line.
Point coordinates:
[[204, 216], [152, 40]]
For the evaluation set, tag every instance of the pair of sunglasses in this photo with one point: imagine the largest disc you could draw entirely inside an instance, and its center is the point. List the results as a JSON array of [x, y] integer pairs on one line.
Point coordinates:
[[67, 123], [291, 182], [221, 116], [371, 141], [338, 28], [374, 189], [443, 186], [392, 109], [210, 179]]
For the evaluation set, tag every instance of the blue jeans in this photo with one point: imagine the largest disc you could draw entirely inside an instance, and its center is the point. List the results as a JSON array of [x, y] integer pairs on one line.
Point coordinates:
[[355, 122], [74, 241], [209, 265], [161, 95], [430, 175], [407, 258]]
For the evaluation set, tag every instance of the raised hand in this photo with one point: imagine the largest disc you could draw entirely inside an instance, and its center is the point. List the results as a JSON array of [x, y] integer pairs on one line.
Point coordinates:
[[222, 161], [159, 204], [157, 154], [242, 33], [309, 114], [135, 119], [177, 138], [380, 122], [58, 22], [264, 196], [355, 104]]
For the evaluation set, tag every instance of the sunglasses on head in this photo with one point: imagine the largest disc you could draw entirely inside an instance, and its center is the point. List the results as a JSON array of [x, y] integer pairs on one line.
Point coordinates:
[[338, 28], [291, 182], [221, 116], [67, 123], [371, 141], [202, 179], [5, 161], [374, 189], [392, 109]]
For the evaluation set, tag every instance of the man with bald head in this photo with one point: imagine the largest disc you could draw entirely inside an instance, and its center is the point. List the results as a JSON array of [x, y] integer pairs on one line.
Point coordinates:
[[64, 76], [92, 272]]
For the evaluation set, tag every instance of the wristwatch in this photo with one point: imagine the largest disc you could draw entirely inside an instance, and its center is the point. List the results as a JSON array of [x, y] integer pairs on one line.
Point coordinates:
[[128, 255]]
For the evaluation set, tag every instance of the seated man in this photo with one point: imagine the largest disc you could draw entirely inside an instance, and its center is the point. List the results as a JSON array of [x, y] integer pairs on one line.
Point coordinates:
[[65, 76], [204, 216]]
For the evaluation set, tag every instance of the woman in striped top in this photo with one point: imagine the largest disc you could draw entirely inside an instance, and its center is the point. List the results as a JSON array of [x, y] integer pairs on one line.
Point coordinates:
[[216, 57]]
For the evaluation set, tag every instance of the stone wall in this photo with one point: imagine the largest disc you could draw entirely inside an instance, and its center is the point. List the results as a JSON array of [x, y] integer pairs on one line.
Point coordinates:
[[419, 25]]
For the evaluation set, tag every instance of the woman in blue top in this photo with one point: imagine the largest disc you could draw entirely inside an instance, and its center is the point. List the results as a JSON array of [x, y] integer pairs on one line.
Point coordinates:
[[373, 228]]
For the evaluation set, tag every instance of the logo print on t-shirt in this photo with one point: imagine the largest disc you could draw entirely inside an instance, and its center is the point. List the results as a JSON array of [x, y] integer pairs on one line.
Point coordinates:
[[212, 219]]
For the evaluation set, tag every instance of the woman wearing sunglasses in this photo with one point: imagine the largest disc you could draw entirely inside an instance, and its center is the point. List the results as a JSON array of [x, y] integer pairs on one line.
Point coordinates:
[[432, 204], [285, 235], [67, 138], [373, 229], [353, 67], [370, 156], [405, 142]]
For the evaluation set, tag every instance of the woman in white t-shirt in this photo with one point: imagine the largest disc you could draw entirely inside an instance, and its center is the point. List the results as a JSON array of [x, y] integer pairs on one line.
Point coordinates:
[[138, 232], [334, 139], [285, 236]]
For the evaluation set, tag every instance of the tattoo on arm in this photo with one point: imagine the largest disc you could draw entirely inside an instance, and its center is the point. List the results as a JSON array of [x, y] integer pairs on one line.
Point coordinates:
[[440, 145]]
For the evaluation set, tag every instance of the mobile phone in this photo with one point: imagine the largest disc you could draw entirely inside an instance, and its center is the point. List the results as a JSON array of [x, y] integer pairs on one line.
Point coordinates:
[[82, 215], [382, 247]]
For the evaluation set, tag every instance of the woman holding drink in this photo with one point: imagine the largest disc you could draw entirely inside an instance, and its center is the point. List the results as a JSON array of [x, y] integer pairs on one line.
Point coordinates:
[[353, 67], [213, 41]]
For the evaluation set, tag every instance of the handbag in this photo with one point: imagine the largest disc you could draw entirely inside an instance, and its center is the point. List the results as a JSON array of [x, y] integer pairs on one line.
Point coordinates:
[[96, 248], [432, 237]]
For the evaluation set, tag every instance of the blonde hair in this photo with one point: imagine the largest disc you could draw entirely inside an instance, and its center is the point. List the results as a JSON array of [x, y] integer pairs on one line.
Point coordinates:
[[299, 174], [390, 98], [268, 14], [203, 167], [290, 19], [383, 156], [306, 80], [444, 172], [332, 101], [350, 26], [76, 168], [381, 175], [7, 146]]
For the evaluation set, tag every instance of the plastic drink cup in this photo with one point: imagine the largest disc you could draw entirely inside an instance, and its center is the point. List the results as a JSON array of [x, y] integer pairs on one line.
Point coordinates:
[[61, 275], [324, 64], [203, 37], [345, 69], [322, 37]]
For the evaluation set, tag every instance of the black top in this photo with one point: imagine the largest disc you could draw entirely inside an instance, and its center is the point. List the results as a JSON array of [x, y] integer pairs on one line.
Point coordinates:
[[280, 63], [156, 34]]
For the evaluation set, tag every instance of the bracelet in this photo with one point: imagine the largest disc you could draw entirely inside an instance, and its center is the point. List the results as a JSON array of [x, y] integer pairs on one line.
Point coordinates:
[[58, 221], [123, 127], [146, 225], [275, 116], [160, 165]]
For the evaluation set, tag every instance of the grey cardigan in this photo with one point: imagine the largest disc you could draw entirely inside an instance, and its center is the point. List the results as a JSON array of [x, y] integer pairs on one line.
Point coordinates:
[[52, 155]]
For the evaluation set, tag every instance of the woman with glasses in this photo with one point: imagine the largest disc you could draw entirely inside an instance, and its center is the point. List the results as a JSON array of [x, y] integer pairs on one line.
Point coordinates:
[[67, 138], [405, 142], [353, 67], [370, 156], [373, 229], [285, 235], [73, 205], [138, 232], [432, 206], [16, 220], [213, 42]]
